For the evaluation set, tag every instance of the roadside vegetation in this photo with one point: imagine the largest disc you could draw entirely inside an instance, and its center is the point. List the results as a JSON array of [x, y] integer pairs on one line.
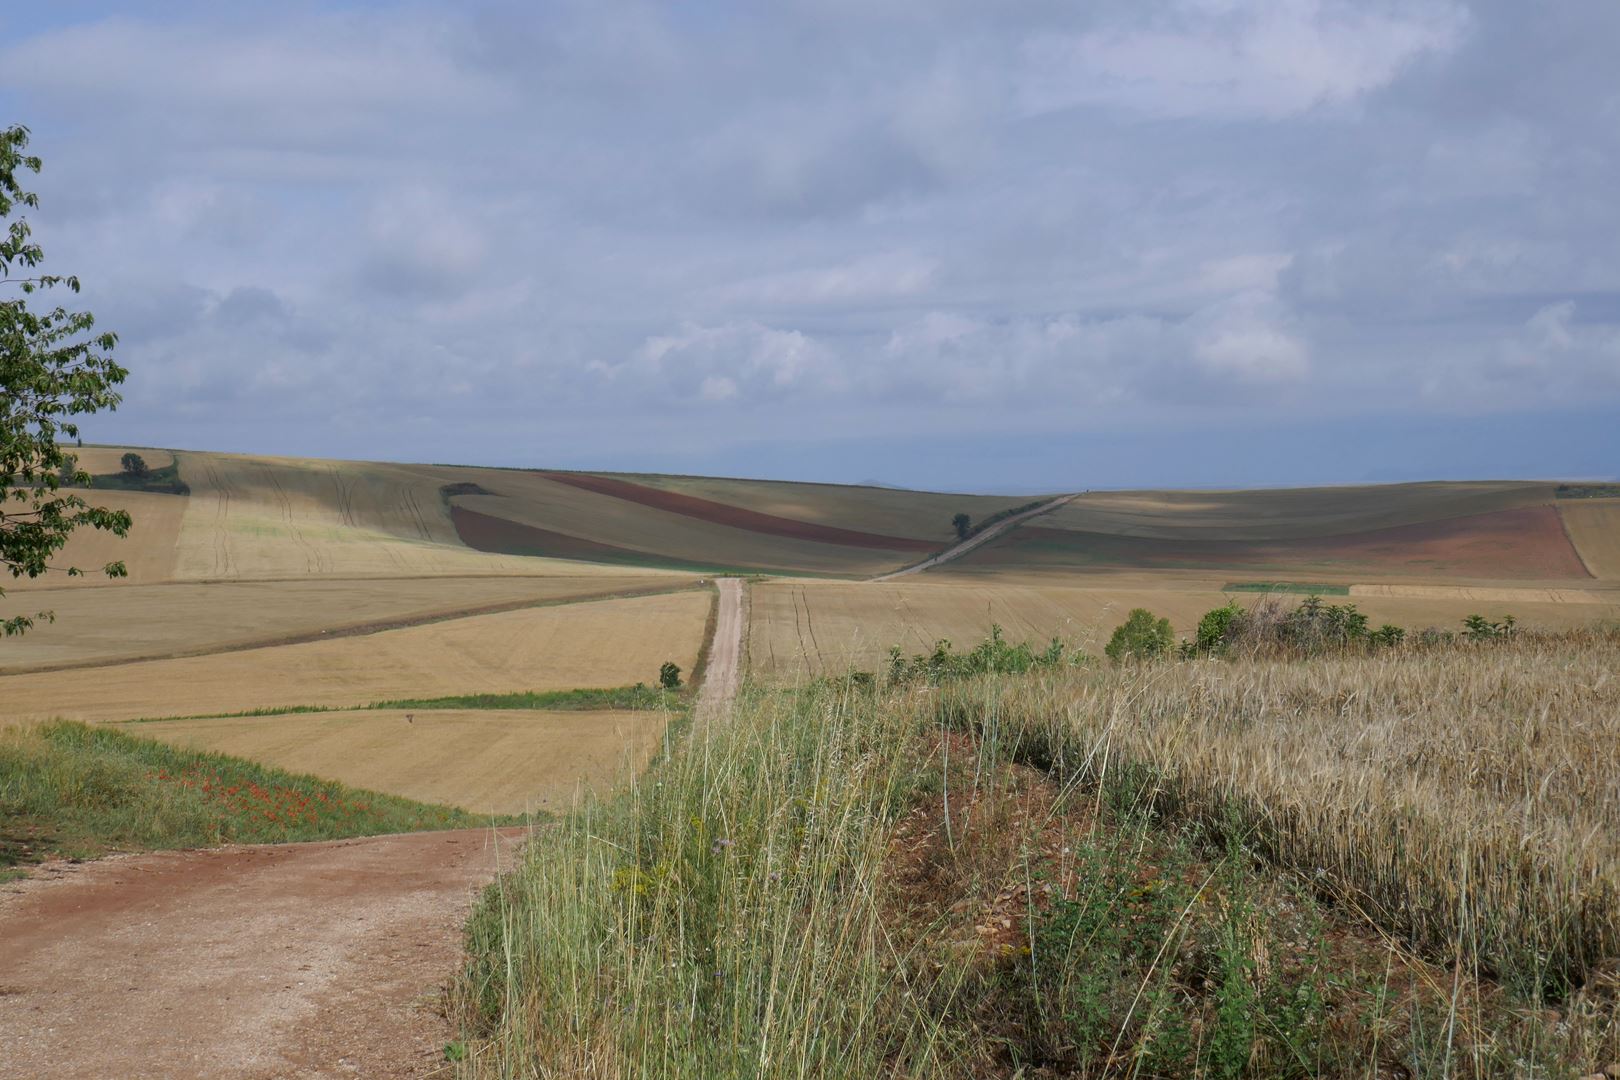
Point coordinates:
[[75, 791], [1346, 859], [617, 698]]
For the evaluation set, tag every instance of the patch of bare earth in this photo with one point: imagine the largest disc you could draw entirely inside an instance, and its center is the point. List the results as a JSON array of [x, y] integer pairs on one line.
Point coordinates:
[[290, 960]]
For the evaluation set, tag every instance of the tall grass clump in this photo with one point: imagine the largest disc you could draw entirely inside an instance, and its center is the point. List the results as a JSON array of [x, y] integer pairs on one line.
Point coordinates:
[[1466, 798], [722, 919]]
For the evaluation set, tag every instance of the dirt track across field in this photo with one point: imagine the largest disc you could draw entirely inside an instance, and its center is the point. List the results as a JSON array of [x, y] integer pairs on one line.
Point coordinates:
[[288, 960], [724, 672], [977, 540]]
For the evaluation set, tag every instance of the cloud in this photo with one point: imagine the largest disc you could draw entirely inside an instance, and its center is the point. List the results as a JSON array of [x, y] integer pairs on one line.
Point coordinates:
[[1223, 58], [507, 231], [719, 363]]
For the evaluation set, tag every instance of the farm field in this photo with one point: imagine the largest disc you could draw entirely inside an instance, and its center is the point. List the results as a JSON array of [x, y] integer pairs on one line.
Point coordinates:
[[1481, 531], [799, 629], [590, 644], [1594, 526], [131, 622], [482, 760], [924, 515]]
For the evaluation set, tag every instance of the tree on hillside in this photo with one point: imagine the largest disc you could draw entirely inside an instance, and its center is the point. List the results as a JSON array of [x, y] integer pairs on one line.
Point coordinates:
[[134, 465], [963, 525], [52, 368]]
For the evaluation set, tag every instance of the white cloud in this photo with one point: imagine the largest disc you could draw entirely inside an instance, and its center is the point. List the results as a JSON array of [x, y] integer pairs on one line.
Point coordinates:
[[1221, 58]]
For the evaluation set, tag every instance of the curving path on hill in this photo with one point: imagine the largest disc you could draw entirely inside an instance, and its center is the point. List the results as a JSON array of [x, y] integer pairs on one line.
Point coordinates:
[[978, 539]]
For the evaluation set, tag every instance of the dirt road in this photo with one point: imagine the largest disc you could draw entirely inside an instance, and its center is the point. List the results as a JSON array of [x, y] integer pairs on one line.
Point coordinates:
[[723, 674], [977, 539], [291, 960]]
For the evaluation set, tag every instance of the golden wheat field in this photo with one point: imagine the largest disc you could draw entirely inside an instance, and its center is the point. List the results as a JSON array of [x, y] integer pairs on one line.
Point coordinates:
[[177, 618], [591, 644], [485, 760], [1469, 791]]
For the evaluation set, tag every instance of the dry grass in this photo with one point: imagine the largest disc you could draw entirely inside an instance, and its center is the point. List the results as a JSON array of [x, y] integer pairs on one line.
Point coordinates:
[[1468, 798], [595, 644], [481, 760], [831, 883], [129, 622], [1594, 526]]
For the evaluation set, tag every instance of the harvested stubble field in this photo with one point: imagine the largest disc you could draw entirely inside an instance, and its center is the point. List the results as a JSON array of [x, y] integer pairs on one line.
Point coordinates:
[[178, 618], [252, 517], [486, 761], [1594, 525], [590, 644], [805, 629], [802, 629]]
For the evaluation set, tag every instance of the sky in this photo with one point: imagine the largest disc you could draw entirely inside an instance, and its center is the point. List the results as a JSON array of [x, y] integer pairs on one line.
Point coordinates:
[[1020, 246]]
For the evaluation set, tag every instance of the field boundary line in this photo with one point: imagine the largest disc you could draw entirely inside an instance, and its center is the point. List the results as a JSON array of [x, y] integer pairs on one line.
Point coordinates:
[[977, 539], [364, 629]]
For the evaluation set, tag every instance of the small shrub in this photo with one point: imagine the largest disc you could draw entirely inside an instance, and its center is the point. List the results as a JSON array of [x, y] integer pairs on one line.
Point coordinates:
[[1388, 636], [669, 675], [1141, 636], [992, 656], [1214, 627], [1479, 628]]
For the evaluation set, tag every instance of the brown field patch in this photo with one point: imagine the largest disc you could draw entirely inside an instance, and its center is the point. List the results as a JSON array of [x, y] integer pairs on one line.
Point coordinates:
[[1594, 527], [594, 644], [889, 511], [736, 517], [486, 532], [484, 760], [671, 539], [1526, 544], [180, 618]]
